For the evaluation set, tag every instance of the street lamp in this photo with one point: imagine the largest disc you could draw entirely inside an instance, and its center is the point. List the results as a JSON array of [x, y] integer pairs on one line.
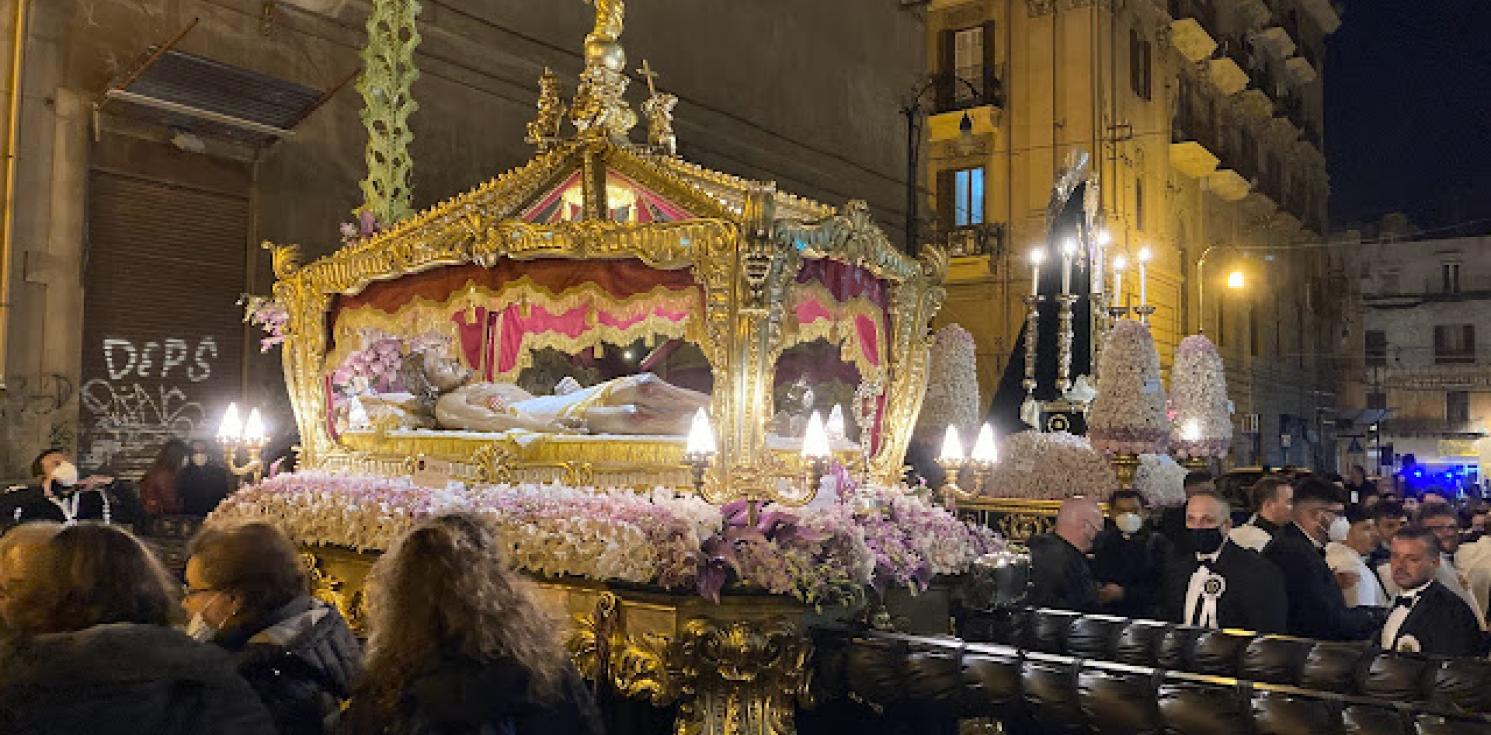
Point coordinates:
[[915, 117], [1235, 280]]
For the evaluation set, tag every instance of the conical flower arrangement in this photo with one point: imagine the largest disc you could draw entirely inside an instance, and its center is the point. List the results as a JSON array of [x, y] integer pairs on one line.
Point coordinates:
[[1198, 396], [952, 386], [1128, 415]]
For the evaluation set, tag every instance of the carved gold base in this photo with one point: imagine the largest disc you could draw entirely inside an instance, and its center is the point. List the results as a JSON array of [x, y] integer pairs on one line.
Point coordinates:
[[734, 668], [1195, 463]]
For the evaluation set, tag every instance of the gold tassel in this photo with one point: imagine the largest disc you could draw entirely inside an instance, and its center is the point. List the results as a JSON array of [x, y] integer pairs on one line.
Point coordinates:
[[600, 350]]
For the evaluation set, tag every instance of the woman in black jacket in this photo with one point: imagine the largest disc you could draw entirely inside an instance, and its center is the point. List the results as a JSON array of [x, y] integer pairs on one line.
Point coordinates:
[[90, 649], [457, 645], [246, 592]]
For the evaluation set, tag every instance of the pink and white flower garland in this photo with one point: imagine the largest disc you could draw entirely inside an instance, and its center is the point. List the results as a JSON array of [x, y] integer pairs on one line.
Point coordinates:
[[1198, 399], [1128, 415], [1161, 480], [821, 556]]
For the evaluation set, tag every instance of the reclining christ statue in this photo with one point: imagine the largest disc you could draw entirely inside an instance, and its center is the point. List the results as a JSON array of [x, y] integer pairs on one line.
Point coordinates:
[[635, 404]]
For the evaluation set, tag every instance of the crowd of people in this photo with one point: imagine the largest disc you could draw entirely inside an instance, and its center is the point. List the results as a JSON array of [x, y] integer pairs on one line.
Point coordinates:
[[185, 479], [1340, 559], [95, 638]]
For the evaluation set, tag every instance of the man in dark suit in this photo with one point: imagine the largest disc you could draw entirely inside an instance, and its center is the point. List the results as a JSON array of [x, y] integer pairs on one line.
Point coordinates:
[[1221, 584], [1426, 617], [1060, 575], [60, 495], [1127, 558], [1316, 607]]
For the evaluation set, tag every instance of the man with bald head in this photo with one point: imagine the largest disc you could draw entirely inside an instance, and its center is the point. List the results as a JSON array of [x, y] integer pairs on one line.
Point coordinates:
[[1060, 575], [1217, 583]]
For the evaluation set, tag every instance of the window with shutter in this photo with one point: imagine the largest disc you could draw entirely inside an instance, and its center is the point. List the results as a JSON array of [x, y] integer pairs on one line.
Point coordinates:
[[1456, 407], [1376, 348], [1454, 344]]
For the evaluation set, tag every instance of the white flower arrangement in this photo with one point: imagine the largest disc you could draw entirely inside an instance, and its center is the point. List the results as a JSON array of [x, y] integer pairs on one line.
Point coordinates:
[[1198, 396], [1050, 466], [1128, 415], [952, 386], [1161, 480]]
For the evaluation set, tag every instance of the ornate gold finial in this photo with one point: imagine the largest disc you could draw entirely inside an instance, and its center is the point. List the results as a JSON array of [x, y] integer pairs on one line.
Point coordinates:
[[544, 129], [659, 111], [284, 260], [600, 110]]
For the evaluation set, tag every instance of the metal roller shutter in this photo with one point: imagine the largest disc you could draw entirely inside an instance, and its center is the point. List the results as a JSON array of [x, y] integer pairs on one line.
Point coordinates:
[[162, 336]]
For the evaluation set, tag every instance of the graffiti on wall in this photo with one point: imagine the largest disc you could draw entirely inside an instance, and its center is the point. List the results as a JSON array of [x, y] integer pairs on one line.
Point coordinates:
[[145, 398]]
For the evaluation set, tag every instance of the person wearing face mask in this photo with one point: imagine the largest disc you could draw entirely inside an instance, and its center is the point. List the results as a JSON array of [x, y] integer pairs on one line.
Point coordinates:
[[1060, 575], [1221, 584], [1126, 559], [203, 483], [1353, 537], [1316, 607], [246, 593], [59, 495]]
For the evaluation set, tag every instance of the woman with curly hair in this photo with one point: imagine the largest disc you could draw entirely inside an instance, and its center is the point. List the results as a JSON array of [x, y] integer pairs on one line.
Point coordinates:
[[456, 643]]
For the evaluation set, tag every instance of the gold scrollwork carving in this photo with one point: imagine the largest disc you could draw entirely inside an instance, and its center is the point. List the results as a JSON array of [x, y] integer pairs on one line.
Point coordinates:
[[327, 588], [741, 677]]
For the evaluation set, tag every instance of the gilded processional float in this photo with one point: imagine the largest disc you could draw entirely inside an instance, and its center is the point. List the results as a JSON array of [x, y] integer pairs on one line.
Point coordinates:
[[626, 361]]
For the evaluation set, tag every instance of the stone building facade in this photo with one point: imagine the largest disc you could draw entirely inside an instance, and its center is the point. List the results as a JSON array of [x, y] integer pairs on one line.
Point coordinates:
[[1419, 368], [1204, 123], [132, 241]]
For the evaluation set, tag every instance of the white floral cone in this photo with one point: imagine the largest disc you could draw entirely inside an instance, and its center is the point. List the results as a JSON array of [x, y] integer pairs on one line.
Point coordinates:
[[1049, 466], [952, 387], [1198, 396], [1128, 415]]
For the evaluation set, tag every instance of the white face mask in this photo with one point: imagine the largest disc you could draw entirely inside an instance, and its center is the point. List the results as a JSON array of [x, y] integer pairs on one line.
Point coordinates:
[[198, 629], [1128, 522], [1340, 528], [200, 459], [65, 474]]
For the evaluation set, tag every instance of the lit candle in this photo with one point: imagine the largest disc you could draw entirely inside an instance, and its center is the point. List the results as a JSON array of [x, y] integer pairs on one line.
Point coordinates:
[[253, 428], [1036, 256], [984, 450], [1068, 251], [952, 446], [815, 439], [1095, 268], [231, 429], [1119, 263], [1144, 257], [701, 436]]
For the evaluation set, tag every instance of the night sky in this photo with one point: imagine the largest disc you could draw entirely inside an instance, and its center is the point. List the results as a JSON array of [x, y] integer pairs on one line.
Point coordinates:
[[1408, 112]]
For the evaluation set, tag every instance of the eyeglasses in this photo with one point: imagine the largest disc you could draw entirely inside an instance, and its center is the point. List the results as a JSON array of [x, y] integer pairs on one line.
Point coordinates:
[[188, 591]]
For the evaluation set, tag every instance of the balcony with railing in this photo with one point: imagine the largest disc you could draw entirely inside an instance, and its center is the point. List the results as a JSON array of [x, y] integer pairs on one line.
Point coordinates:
[[1228, 67], [1193, 28], [1303, 68], [973, 241], [1195, 148]]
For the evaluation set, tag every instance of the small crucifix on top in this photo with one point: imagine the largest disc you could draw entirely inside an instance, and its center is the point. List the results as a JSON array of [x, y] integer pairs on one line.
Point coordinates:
[[651, 77], [659, 111]]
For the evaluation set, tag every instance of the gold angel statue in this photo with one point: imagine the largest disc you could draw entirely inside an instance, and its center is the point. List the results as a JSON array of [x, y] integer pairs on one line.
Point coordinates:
[[545, 128]]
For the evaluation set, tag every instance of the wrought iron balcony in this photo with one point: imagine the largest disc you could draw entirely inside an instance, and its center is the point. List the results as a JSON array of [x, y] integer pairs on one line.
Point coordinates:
[[973, 241]]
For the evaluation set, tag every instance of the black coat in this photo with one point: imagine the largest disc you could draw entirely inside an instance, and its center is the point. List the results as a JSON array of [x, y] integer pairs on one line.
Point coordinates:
[[1254, 596], [124, 679], [1317, 609], [302, 660], [31, 504], [1060, 576], [461, 696], [1443, 624], [1133, 563]]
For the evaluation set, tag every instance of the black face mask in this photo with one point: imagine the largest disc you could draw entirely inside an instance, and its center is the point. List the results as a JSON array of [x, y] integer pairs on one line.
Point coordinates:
[[1206, 540]]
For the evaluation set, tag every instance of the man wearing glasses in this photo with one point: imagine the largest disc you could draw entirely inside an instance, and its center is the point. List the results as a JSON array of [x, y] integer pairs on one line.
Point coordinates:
[[1316, 607]]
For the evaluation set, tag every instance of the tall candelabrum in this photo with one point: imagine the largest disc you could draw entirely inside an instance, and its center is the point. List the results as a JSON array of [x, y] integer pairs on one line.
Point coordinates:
[[1032, 333], [247, 436], [1064, 337]]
